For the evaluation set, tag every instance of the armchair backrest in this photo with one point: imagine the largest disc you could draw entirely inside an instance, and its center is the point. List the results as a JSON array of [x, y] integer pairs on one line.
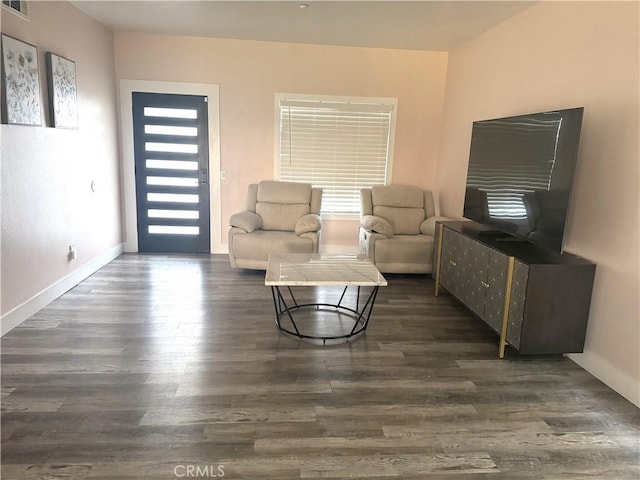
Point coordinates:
[[405, 207], [282, 204]]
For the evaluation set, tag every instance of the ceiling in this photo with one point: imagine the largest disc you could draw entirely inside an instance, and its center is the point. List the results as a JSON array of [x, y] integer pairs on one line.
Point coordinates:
[[415, 25]]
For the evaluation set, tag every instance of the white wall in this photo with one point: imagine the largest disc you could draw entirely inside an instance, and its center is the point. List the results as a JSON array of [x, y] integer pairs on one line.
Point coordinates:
[[250, 73], [47, 200], [559, 55]]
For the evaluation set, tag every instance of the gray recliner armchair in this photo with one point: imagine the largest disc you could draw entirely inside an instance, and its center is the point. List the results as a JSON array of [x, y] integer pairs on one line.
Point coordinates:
[[397, 227], [281, 217]]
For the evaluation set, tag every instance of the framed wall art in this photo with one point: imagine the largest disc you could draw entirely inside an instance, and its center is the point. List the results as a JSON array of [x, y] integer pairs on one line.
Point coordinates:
[[20, 83], [61, 81]]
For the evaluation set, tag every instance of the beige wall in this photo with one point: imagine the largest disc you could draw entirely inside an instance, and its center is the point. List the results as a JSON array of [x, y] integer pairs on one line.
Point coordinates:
[[557, 55], [47, 202], [250, 73]]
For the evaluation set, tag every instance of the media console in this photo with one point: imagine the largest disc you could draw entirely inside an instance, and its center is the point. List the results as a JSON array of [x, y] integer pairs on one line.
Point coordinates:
[[536, 299]]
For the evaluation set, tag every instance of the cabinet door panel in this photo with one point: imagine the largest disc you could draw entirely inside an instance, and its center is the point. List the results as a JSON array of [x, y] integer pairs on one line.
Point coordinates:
[[495, 287], [474, 271], [449, 271], [517, 303]]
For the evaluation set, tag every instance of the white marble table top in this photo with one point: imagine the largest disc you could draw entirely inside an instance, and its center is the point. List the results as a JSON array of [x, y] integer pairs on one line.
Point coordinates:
[[311, 269]]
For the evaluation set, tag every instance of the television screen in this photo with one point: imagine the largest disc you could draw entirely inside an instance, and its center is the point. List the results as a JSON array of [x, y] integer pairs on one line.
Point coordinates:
[[520, 174]]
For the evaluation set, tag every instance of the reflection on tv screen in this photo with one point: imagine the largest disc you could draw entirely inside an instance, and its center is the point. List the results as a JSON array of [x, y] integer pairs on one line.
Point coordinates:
[[520, 174]]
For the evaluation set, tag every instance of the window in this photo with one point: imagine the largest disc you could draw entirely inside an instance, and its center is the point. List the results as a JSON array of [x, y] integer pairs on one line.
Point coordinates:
[[336, 143], [19, 6]]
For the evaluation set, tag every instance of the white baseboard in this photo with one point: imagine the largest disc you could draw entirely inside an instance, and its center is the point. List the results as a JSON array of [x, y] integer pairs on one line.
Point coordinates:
[[619, 381], [15, 317]]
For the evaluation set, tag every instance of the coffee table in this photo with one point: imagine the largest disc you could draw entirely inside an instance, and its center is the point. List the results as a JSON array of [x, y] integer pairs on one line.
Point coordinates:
[[285, 271]]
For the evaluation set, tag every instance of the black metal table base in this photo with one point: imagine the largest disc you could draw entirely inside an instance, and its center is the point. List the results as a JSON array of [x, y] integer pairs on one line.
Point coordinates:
[[360, 316]]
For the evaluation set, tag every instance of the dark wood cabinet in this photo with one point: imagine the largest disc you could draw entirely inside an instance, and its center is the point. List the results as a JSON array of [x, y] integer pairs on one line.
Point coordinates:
[[536, 299]]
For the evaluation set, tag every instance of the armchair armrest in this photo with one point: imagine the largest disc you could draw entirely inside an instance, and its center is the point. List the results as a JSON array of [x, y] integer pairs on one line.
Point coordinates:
[[308, 223], [248, 221], [428, 226], [372, 223]]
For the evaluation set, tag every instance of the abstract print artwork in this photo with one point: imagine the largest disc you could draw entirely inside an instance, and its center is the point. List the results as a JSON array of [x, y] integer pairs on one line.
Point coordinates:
[[61, 80], [20, 83]]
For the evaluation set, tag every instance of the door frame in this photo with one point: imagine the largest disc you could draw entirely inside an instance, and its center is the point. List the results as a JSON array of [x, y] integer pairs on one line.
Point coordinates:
[[211, 91]]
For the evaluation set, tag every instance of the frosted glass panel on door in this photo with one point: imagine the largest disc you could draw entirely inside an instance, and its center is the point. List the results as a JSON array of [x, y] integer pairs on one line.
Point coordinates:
[[182, 214], [172, 164], [173, 230], [171, 147], [173, 181], [172, 197], [171, 130], [170, 112]]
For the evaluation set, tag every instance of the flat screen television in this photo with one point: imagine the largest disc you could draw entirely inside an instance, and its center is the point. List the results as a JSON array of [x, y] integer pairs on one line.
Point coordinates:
[[520, 174]]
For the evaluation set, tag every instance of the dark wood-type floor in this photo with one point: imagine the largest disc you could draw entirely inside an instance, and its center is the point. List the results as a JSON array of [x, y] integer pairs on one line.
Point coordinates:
[[166, 367]]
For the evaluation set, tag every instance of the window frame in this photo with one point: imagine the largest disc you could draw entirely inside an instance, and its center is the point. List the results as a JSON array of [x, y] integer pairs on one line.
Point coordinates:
[[22, 12], [337, 99]]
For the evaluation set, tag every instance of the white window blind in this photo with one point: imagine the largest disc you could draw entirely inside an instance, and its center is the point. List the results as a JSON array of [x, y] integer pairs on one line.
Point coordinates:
[[341, 147]]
